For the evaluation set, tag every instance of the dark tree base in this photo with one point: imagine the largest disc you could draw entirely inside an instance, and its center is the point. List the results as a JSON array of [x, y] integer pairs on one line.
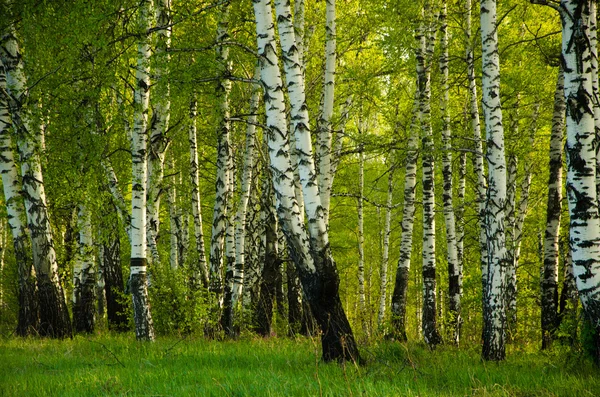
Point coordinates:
[[144, 329], [29, 316], [54, 316]]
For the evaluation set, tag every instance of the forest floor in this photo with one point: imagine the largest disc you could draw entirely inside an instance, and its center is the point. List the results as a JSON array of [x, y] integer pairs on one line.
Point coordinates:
[[118, 365]]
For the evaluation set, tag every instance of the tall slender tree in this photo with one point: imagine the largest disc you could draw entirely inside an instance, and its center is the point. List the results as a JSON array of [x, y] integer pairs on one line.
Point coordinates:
[[549, 281], [494, 321], [144, 329], [54, 316]]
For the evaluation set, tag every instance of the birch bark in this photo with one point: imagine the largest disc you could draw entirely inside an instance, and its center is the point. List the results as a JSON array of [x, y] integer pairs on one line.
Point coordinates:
[[159, 124], [311, 255], [425, 37], [222, 187], [234, 289], [454, 269], [581, 159], [326, 111], [399, 295], [199, 268], [144, 329], [28, 319], [84, 276], [481, 184], [549, 281], [387, 231], [494, 332], [54, 316]]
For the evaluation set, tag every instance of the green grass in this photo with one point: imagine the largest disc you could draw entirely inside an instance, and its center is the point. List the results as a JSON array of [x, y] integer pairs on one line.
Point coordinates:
[[118, 365]]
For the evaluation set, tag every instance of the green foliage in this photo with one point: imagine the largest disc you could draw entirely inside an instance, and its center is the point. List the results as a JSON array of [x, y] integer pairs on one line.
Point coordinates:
[[176, 309]]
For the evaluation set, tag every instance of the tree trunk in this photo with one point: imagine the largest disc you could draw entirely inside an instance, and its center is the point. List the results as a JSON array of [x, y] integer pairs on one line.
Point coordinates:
[[494, 333], [312, 255], [549, 281], [116, 309], [174, 223], [159, 125], [234, 287], [324, 129], [224, 162], [406, 241], [511, 271], [425, 37], [84, 276], [271, 263], [199, 268], [362, 301], [54, 316], [581, 157], [454, 269], [387, 231], [144, 329], [481, 184], [28, 320]]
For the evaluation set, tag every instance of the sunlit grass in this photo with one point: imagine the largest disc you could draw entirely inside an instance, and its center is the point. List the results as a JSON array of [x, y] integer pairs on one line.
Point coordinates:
[[118, 365]]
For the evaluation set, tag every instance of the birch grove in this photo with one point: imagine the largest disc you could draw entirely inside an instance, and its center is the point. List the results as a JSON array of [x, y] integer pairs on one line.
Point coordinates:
[[302, 126]]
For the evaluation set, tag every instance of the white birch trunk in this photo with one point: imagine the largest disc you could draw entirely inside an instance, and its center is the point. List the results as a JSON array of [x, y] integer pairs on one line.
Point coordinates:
[[387, 231], [593, 38], [159, 124], [299, 11], [222, 188], [240, 219], [17, 221], [138, 277], [510, 213], [460, 221], [54, 317], [362, 302], [174, 223], [581, 157], [84, 275], [312, 256], [494, 333], [549, 280], [454, 270], [326, 111], [481, 184], [118, 199], [399, 295], [199, 268], [425, 38]]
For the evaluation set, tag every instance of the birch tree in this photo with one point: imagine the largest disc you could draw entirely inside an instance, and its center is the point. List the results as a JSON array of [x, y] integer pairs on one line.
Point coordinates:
[[222, 194], [454, 269], [54, 316], [159, 123], [144, 329], [199, 268], [324, 129], [310, 253], [236, 281], [494, 321], [584, 232], [425, 37], [481, 183], [84, 275], [399, 295], [387, 231], [549, 281], [28, 319]]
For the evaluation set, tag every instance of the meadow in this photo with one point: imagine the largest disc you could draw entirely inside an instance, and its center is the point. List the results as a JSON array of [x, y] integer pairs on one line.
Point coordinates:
[[117, 365]]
